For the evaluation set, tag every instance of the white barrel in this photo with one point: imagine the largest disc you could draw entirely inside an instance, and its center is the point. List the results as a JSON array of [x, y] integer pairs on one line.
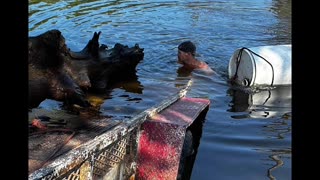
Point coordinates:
[[262, 65]]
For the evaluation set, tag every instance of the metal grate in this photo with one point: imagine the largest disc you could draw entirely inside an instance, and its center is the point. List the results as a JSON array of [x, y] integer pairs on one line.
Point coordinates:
[[110, 158], [74, 175], [98, 167], [113, 151]]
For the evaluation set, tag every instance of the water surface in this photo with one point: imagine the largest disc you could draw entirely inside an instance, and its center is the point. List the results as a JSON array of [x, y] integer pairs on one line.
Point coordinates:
[[246, 134]]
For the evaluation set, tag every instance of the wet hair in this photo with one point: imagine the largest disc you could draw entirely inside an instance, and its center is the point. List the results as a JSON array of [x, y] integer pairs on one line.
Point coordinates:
[[187, 46]]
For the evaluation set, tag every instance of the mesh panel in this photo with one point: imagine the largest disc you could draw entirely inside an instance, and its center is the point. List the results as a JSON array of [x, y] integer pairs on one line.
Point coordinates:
[[110, 158], [102, 154], [75, 175]]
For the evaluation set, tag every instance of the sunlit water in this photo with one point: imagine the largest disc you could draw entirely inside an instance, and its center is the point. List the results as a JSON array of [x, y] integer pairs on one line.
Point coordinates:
[[246, 135]]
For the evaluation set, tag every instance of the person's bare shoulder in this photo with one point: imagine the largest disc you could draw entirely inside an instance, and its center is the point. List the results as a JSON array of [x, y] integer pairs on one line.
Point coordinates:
[[207, 70]]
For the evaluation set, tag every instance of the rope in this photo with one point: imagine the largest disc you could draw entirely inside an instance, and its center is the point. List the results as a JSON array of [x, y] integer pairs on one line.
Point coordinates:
[[255, 66], [237, 64], [269, 96]]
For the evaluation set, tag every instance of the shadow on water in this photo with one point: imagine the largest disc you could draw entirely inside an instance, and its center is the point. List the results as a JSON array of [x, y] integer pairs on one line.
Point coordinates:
[[266, 102]]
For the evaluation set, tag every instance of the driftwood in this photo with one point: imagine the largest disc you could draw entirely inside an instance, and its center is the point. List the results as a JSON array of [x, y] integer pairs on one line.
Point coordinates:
[[56, 72]]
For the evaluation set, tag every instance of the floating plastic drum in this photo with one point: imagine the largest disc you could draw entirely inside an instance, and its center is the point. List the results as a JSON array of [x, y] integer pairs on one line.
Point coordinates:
[[263, 65]]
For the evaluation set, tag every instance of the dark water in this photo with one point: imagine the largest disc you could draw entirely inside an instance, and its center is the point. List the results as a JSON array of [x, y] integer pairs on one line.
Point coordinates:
[[246, 135]]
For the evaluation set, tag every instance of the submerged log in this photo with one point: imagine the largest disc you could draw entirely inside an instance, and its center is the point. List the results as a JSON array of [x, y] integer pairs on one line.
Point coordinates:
[[56, 72]]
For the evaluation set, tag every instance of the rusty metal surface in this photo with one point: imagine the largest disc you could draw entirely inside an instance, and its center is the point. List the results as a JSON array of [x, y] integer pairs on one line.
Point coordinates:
[[162, 137], [183, 112], [42, 146], [45, 147], [159, 150], [95, 139], [87, 151]]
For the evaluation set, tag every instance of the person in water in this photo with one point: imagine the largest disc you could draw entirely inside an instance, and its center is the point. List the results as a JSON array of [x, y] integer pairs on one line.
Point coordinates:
[[186, 57]]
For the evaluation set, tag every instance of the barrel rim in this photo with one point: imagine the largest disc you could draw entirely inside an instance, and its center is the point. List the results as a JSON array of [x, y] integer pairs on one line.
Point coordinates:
[[254, 68]]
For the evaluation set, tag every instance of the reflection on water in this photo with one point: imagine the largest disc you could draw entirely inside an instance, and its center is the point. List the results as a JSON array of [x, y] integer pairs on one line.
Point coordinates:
[[183, 72], [280, 128], [132, 85], [276, 159], [268, 103], [218, 28], [183, 77], [273, 103], [282, 9]]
